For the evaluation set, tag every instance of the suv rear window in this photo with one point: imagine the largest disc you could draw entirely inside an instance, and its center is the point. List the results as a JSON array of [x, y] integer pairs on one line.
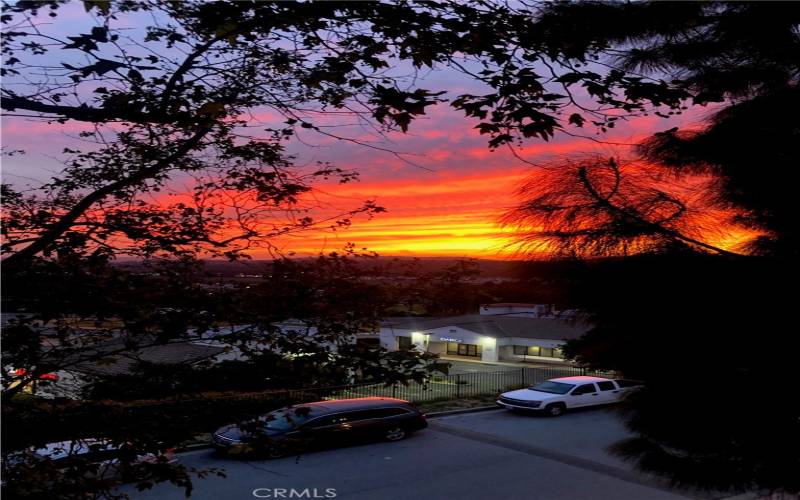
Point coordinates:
[[606, 386], [552, 387], [628, 383], [584, 389]]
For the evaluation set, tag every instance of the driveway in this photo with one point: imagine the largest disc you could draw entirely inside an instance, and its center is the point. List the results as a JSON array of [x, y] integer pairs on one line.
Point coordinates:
[[481, 456]]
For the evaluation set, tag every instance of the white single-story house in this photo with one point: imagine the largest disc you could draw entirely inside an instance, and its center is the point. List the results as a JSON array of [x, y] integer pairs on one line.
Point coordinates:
[[518, 332]]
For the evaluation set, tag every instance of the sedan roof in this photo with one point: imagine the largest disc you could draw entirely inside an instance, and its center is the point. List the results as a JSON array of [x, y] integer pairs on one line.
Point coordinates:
[[322, 407]]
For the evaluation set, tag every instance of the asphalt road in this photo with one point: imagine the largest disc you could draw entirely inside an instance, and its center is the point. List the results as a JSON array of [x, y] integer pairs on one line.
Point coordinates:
[[494, 455], [583, 433]]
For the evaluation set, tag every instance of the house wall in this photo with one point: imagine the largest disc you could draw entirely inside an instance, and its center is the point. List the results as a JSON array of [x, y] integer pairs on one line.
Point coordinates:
[[491, 349], [441, 336], [439, 348], [388, 337], [507, 349], [436, 340]]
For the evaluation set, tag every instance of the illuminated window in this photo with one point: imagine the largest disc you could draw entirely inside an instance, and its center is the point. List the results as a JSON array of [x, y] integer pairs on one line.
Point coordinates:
[[452, 348], [463, 349], [535, 350], [404, 343], [467, 349]]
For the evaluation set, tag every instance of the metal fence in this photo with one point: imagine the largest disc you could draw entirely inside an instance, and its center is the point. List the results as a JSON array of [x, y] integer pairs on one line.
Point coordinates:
[[445, 387], [209, 411]]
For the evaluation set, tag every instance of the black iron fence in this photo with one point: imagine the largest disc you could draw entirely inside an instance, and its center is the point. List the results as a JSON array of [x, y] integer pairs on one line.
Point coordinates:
[[446, 387], [185, 416]]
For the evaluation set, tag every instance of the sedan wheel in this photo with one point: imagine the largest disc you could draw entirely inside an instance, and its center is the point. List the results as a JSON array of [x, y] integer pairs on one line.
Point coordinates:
[[395, 434]]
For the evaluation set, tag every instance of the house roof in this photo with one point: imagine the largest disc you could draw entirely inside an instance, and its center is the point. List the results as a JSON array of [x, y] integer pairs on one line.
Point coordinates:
[[160, 354], [498, 326], [511, 304]]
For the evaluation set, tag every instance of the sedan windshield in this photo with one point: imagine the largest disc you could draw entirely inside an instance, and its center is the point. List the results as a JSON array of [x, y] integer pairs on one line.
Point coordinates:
[[552, 387], [284, 420]]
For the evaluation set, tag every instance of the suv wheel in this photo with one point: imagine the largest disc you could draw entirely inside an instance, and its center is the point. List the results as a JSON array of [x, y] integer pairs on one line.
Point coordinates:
[[554, 410], [395, 434]]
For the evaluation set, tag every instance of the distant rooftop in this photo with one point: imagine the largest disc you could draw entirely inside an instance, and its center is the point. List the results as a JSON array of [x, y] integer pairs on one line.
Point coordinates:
[[511, 304], [498, 326], [175, 353]]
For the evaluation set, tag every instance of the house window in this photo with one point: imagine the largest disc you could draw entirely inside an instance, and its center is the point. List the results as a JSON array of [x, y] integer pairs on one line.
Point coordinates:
[[452, 348], [404, 343], [463, 349], [363, 344], [535, 350], [467, 350]]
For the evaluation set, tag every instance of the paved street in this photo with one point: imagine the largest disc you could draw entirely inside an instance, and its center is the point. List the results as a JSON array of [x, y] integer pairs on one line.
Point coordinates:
[[492, 455], [580, 433]]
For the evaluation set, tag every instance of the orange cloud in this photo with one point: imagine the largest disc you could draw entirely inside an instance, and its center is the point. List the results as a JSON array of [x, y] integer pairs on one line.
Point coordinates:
[[449, 207]]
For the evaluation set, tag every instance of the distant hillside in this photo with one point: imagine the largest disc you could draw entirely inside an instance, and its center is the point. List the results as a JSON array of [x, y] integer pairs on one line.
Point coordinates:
[[424, 265]]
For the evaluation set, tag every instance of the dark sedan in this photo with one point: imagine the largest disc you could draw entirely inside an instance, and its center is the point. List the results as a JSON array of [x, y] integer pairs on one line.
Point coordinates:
[[321, 424]]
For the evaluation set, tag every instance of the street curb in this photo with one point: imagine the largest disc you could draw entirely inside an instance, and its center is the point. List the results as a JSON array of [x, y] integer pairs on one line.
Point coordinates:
[[459, 412], [193, 447]]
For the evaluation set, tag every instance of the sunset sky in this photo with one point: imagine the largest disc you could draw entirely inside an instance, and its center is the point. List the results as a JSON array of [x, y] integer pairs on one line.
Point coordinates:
[[444, 199], [450, 204]]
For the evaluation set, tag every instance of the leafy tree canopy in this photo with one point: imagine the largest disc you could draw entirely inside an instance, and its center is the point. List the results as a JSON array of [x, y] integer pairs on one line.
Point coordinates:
[[709, 331], [177, 95], [173, 99]]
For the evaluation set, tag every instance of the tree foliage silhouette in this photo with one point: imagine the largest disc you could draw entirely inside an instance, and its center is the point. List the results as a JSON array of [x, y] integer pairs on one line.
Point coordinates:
[[178, 98], [708, 331]]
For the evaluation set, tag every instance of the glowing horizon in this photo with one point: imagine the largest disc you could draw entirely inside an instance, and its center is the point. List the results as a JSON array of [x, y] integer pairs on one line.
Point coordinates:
[[446, 202]]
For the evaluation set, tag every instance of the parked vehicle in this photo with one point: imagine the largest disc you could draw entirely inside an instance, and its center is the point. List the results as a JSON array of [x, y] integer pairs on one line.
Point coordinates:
[[98, 457], [321, 424], [557, 395]]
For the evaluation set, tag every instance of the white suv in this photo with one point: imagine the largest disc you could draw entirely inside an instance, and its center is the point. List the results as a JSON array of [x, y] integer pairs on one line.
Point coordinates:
[[556, 395]]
